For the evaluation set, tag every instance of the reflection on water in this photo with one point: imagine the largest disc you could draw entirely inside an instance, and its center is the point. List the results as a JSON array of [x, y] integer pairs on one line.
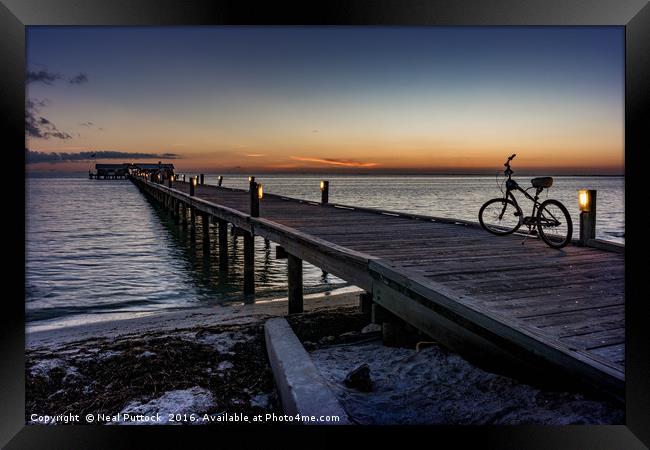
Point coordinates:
[[100, 247]]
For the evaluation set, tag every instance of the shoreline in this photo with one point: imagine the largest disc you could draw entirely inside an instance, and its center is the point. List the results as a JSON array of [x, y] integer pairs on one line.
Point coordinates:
[[166, 320]]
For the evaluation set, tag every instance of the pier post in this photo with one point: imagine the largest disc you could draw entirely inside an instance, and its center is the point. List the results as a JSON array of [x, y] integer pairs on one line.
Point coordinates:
[[184, 215], [294, 272], [205, 223], [365, 304], [202, 179], [169, 181], [176, 212], [254, 198], [280, 252], [223, 245], [587, 202], [395, 331], [220, 180], [324, 192], [249, 264], [192, 184], [183, 178]]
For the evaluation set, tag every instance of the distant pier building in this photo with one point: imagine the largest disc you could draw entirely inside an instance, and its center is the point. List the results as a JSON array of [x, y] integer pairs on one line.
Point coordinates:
[[122, 171]]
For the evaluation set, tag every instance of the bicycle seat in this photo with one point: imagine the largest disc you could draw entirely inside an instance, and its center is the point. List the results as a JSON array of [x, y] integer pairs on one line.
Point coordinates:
[[542, 182]]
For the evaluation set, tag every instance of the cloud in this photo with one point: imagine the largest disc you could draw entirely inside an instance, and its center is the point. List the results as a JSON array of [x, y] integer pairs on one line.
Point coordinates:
[[335, 162], [42, 76], [46, 77], [57, 157], [86, 124], [255, 155], [37, 126], [80, 78]]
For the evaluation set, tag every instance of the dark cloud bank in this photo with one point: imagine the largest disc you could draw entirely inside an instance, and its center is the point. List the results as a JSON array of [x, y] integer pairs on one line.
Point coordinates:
[[43, 76], [55, 157]]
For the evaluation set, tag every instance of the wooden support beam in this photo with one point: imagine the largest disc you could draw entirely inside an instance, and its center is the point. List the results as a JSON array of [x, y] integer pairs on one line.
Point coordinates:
[[223, 245], [365, 304], [236, 231], [249, 264], [294, 272], [205, 223], [280, 252]]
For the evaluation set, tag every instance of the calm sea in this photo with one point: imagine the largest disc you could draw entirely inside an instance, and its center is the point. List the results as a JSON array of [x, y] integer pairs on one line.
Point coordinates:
[[98, 250]]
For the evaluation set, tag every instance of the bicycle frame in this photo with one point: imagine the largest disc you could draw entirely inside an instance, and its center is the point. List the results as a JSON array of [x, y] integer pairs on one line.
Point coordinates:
[[512, 185]]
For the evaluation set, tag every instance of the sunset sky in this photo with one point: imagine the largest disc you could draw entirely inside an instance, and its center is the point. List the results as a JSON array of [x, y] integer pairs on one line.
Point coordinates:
[[329, 99]]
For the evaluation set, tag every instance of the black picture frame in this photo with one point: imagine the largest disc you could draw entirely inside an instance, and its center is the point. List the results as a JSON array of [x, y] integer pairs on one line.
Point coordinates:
[[634, 15]]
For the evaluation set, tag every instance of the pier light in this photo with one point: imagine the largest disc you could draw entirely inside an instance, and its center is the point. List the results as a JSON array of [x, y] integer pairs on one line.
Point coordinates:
[[260, 191], [324, 192], [251, 179], [584, 200], [193, 181]]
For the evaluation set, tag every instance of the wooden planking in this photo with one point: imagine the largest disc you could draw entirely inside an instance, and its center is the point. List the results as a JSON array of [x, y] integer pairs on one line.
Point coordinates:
[[596, 339], [568, 320], [612, 353], [531, 288]]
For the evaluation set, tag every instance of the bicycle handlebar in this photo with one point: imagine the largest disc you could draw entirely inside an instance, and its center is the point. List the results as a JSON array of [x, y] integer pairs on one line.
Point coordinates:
[[508, 170]]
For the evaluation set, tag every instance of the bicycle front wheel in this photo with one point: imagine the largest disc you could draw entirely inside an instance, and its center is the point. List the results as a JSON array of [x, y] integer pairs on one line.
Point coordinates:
[[554, 224], [500, 216]]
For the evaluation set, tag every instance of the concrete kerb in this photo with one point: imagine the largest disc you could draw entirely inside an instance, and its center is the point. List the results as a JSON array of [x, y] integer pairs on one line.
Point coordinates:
[[302, 389]]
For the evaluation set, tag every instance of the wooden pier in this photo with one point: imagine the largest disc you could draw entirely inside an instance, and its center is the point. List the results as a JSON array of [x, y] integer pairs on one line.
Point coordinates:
[[541, 308]]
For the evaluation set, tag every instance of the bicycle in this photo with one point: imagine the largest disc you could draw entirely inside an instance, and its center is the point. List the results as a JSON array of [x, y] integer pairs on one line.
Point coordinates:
[[503, 216]]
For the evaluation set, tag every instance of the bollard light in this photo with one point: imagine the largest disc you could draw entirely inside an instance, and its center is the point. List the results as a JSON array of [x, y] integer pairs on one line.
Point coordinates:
[[324, 192], [260, 191], [584, 200], [251, 179], [194, 181], [220, 180]]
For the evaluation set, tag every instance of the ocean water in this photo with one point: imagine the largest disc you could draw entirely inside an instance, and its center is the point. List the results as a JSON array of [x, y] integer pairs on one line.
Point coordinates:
[[97, 249]]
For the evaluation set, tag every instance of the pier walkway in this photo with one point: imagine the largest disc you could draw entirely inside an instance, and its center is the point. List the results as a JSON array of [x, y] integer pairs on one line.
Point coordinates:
[[562, 309]]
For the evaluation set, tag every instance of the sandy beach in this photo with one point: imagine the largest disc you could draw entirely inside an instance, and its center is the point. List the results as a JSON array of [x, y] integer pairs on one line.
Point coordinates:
[[202, 364], [208, 363]]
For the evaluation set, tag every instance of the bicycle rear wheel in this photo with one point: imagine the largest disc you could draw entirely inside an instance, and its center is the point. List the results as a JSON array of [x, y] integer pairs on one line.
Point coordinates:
[[554, 224], [500, 216]]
